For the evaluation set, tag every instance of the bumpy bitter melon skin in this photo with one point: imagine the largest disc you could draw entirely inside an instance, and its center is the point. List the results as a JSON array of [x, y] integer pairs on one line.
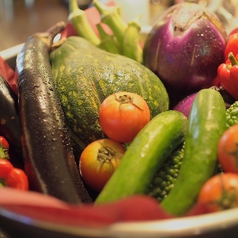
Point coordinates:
[[85, 75]]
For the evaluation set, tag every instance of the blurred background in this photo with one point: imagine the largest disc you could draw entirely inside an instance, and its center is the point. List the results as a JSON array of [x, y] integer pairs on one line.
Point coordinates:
[[21, 18]]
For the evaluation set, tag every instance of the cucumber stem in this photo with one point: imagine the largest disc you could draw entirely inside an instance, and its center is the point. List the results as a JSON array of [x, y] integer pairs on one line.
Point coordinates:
[[131, 43], [108, 42], [111, 16], [80, 22]]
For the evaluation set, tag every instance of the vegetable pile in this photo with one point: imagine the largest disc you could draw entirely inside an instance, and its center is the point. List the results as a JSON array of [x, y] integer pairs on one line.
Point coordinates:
[[93, 117], [9, 175]]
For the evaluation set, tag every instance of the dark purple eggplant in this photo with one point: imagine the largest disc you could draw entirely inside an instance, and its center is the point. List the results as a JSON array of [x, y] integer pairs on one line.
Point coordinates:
[[9, 122], [48, 155]]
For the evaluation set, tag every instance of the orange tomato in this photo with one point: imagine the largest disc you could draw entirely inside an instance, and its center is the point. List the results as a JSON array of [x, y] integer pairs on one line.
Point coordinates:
[[122, 115], [220, 192], [98, 161], [228, 150]]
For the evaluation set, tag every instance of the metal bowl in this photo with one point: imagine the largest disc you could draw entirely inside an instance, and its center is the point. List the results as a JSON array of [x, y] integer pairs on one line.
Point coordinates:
[[221, 224], [13, 224]]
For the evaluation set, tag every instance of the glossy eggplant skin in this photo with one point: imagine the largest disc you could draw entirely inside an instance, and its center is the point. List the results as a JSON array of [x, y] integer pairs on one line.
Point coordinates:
[[48, 155], [10, 123], [184, 48]]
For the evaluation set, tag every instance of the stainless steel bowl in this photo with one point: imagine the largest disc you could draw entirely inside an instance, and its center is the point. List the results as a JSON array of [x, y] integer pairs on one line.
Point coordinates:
[[221, 224], [217, 225]]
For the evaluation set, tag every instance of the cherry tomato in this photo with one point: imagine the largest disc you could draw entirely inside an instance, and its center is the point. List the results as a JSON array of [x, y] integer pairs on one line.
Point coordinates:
[[12, 177], [4, 142], [98, 161], [122, 115], [17, 179], [5, 168], [220, 192], [228, 150]]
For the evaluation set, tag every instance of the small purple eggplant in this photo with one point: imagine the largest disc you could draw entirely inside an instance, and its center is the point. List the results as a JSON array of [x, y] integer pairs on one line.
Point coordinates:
[[184, 48]]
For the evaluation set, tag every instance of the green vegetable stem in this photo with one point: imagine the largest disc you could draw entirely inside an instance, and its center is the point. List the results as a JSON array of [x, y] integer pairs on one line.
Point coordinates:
[[80, 22], [108, 42], [131, 42], [110, 15]]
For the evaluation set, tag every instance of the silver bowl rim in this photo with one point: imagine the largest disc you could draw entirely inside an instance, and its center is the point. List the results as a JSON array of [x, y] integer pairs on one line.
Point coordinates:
[[174, 227]]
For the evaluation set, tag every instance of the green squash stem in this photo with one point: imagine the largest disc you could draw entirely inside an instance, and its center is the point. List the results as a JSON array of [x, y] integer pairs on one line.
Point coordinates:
[[80, 22]]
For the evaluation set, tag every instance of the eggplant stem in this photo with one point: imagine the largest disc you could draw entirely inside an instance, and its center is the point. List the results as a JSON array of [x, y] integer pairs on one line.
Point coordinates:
[[48, 36]]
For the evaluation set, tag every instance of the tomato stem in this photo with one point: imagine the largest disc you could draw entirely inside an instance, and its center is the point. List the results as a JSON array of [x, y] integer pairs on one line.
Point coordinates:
[[3, 153], [2, 183], [123, 99], [227, 199], [106, 155]]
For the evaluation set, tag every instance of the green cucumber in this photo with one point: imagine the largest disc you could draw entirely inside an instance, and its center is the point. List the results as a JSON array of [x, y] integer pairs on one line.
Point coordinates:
[[206, 124], [144, 156]]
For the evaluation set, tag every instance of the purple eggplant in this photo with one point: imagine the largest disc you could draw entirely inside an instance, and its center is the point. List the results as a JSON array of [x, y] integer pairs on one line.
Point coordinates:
[[48, 154], [185, 47], [10, 126]]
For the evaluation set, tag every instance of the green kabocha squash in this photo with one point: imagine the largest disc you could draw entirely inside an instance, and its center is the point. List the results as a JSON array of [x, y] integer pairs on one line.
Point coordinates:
[[85, 75]]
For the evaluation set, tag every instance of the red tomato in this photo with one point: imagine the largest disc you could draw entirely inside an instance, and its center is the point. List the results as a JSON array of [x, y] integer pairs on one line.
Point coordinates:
[[234, 31], [232, 45], [98, 161], [228, 150], [4, 142], [17, 179], [5, 168], [122, 115], [220, 192]]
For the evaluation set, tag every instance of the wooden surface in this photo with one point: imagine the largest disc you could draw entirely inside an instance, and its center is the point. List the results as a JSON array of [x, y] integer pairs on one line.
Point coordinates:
[[19, 20]]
